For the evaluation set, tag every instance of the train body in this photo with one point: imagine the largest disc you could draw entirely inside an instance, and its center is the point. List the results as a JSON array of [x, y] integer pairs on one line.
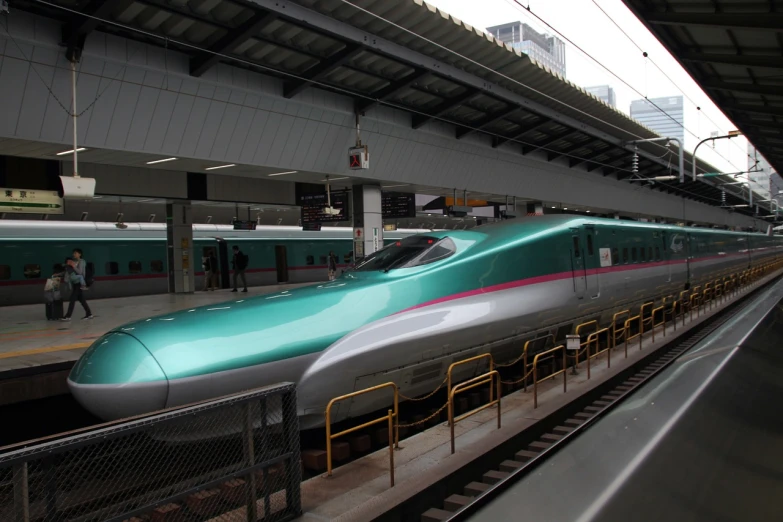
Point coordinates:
[[132, 261], [405, 313]]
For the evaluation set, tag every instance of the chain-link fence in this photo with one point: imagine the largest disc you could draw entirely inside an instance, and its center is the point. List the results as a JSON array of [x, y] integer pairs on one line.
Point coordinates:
[[235, 458]]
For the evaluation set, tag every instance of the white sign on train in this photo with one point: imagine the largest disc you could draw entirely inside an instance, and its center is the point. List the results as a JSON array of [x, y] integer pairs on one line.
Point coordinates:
[[606, 256], [23, 201]]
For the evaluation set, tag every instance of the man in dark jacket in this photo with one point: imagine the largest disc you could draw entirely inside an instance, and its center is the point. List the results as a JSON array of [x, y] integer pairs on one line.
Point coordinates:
[[240, 264]]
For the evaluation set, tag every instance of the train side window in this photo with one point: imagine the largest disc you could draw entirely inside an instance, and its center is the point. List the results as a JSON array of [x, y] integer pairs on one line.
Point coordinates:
[[625, 255], [642, 254], [156, 266], [310, 260], [657, 253], [633, 254], [322, 260], [650, 254], [589, 244], [32, 271], [112, 268], [134, 267], [5, 272], [615, 257], [576, 247]]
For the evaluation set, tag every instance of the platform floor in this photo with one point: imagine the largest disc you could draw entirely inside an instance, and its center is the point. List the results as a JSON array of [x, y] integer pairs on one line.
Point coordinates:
[[28, 340], [359, 491]]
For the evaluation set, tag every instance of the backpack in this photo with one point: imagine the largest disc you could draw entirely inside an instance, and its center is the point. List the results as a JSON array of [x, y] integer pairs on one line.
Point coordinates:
[[89, 274]]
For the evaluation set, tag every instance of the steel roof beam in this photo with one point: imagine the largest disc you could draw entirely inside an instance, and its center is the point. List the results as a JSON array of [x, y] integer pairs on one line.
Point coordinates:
[[772, 90], [321, 69], [485, 122], [571, 148], [529, 128], [447, 105], [607, 150], [766, 21], [392, 89], [552, 138], [749, 60], [75, 32], [204, 61], [301, 15]]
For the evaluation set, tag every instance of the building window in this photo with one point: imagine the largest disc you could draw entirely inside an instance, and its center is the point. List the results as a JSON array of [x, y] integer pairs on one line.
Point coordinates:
[[156, 267], [112, 268], [32, 271], [134, 267], [5, 272]]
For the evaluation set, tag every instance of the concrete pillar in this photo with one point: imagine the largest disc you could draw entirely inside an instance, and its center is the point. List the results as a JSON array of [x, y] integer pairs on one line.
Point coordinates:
[[367, 220], [179, 248]]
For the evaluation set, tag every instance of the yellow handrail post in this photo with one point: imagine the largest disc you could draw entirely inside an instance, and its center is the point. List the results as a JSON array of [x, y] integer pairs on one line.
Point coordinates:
[[465, 361], [615, 317], [491, 377], [524, 358], [551, 376], [394, 438], [391, 447]]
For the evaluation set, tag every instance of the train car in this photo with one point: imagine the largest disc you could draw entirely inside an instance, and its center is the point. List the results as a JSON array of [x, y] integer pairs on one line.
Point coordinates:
[[131, 260], [405, 313]]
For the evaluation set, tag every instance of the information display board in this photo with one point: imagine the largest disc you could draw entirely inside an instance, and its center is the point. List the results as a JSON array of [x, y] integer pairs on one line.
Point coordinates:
[[398, 205], [313, 206]]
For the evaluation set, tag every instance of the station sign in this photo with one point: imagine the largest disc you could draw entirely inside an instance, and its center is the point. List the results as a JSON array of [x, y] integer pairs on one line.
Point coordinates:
[[245, 225], [22, 201], [313, 206], [396, 205]]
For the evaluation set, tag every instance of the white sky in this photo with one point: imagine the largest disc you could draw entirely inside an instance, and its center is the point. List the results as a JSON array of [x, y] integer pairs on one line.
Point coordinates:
[[583, 23]]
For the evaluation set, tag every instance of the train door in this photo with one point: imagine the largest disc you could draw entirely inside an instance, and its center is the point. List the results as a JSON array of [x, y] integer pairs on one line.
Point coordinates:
[[281, 264], [591, 262], [577, 264], [225, 265]]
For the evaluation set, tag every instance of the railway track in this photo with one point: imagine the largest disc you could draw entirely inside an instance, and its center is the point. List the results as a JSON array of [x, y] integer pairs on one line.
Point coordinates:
[[532, 448]]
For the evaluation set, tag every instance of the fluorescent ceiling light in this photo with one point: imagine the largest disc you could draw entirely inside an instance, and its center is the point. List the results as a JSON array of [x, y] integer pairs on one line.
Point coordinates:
[[392, 186], [63, 153], [335, 179], [160, 161], [283, 173], [221, 166]]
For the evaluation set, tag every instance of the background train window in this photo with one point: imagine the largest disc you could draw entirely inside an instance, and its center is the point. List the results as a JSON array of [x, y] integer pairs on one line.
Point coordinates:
[[112, 268], [633, 254], [5, 272], [134, 267], [576, 247], [32, 271], [322, 260], [657, 253], [347, 258], [615, 257], [625, 255], [589, 244], [642, 254], [310, 260], [649, 254], [156, 266]]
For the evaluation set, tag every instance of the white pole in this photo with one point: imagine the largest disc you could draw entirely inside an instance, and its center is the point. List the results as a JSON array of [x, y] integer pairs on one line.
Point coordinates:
[[73, 103]]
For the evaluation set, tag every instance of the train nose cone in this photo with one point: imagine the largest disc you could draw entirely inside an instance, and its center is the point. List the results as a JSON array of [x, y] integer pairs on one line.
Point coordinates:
[[117, 377]]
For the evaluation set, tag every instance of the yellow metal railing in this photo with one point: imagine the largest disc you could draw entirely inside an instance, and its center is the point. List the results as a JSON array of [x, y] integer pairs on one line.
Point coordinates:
[[646, 320], [394, 437], [524, 357], [536, 360], [594, 338], [655, 325], [629, 337], [466, 361], [491, 377], [615, 318]]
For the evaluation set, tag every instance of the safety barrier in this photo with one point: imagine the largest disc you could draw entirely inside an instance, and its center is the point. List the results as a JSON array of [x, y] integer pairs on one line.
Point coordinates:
[[646, 321], [394, 435], [638, 334], [595, 338], [551, 375], [466, 361], [487, 378], [615, 318], [655, 325], [527, 370]]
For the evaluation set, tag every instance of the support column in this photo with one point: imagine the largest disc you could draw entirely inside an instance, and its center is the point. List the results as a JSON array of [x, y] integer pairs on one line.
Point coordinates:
[[535, 208], [367, 220], [179, 248]]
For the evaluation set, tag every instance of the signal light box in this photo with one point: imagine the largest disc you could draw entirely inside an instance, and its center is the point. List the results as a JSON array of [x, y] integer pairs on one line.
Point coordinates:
[[359, 158]]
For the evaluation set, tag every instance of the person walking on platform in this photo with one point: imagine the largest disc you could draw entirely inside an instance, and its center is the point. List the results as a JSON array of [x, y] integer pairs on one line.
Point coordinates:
[[332, 266], [77, 294], [240, 265]]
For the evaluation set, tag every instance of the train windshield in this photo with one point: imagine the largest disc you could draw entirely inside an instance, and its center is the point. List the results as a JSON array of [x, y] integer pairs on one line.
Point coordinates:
[[409, 252]]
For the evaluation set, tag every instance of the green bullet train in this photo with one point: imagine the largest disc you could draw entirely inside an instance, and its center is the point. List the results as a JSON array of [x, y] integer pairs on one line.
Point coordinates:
[[405, 313]]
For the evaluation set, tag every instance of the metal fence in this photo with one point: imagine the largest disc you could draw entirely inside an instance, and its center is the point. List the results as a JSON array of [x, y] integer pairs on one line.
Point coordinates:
[[234, 458]]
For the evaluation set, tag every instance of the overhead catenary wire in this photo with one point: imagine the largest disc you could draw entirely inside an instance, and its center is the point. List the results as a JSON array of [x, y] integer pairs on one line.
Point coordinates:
[[354, 94]]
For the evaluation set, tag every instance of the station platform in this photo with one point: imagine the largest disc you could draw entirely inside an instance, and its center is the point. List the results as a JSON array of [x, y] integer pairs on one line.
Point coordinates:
[[360, 490], [30, 345]]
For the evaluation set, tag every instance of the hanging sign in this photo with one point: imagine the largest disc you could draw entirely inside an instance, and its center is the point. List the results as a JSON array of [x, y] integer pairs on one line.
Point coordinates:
[[23, 201]]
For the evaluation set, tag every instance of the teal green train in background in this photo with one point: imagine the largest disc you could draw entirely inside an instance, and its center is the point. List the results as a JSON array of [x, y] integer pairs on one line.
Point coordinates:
[[405, 312]]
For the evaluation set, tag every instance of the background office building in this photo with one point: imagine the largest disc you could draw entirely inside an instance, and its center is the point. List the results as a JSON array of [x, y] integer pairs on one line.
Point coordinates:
[[649, 113], [763, 180], [603, 93], [543, 48]]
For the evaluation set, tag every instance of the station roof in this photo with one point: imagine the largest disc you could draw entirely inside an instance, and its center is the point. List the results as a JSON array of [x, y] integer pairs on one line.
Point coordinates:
[[734, 50], [372, 51]]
